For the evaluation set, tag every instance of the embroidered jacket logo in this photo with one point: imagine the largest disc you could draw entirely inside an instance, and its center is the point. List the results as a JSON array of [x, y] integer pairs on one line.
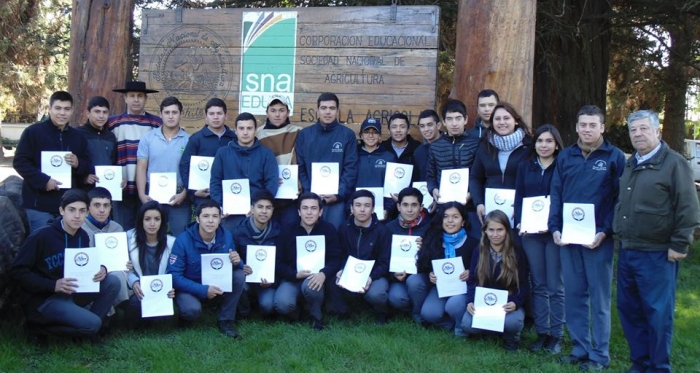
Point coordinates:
[[600, 165], [337, 147]]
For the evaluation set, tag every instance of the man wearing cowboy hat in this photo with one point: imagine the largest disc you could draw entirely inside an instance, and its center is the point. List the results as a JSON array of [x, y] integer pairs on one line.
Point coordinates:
[[129, 127]]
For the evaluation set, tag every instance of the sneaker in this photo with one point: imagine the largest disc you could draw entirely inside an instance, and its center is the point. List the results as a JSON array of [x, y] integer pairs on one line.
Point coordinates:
[[591, 366], [553, 345], [539, 343], [571, 359], [317, 325], [226, 328]]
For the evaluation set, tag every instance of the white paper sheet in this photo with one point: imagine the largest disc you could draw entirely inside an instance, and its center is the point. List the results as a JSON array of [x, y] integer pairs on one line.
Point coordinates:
[[535, 214], [378, 201], [311, 253], [82, 264], [355, 274], [397, 177], [200, 172], [454, 185], [110, 178], [162, 186], [262, 260], [54, 164], [325, 178], [113, 249], [579, 223], [488, 309], [289, 174], [236, 196], [155, 301], [217, 270], [403, 254], [427, 195], [447, 272], [500, 199]]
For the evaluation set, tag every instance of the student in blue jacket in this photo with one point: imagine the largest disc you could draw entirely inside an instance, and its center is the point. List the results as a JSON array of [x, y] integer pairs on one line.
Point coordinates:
[[534, 180], [371, 167], [587, 172], [205, 236], [499, 264]]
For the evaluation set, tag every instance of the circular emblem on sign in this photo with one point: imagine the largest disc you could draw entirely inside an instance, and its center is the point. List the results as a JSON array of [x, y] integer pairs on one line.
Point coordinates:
[[261, 255], [490, 299], [286, 173], [191, 61], [448, 268], [578, 214], [325, 171], [163, 181], [156, 285], [56, 160], [111, 242], [109, 174], [217, 263], [455, 178], [399, 172], [236, 188], [310, 246], [360, 267], [537, 205], [498, 199], [81, 259], [203, 165], [405, 245]]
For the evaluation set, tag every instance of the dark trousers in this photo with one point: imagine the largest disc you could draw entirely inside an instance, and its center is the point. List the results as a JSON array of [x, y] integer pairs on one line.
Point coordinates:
[[190, 307]]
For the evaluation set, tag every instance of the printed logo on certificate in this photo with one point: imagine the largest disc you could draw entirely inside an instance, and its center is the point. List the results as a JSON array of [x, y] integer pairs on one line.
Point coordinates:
[[113, 250], [325, 178], [579, 223], [403, 254], [82, 264], [110, 178], [447, 272], [534, 214], [261, 259], [162, 186], [488, 309], [236, 196], [217, 270], [500, 199], [290, 182], [200, 172], [155, 300], [427, 196], [355, 274], [311, 253], [454, 185], [396, 178], [54, 164]]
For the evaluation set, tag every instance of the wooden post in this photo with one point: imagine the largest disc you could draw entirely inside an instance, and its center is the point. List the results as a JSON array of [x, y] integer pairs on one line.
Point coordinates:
[[99, 53], [495, 50]]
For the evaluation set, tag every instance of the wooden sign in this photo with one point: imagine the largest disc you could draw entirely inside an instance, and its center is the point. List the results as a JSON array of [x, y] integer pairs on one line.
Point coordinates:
[[378, 60]]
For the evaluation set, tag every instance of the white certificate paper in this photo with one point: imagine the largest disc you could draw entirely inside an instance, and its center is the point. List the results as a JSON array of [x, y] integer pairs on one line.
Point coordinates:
[[378, 201], [162, 186], [311, 253], [200, 172], [113, 250], [325, 178], [355, 274], [427, 195], [217, 270], [236, 196], [535, 214], [397, 177], [289, 174], [82, 264], [403, 254], [500, 199], [488, 309], [447, 272], [110, 178], [454, 185], [262, 260], [54, 164], [155, 301], [579, 223]]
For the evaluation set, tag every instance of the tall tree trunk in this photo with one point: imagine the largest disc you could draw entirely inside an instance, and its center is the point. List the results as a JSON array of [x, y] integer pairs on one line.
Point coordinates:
[[675, 84], [99, 52], [495, 50], [572, 56]]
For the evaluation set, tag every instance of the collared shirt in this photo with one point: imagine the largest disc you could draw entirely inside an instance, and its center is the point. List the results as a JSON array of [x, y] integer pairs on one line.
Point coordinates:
[[162, 155], [646, 157], [400, 150]]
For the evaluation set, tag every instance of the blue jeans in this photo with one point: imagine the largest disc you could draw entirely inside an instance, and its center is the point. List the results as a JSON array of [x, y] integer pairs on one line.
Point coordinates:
[[376, 296], [588, 287], [190, 307], [646, 295], [418, 286], [547, 283], [335, 213], [446, 313], [64, 314], [398, 296], [511, 328], [38, 219], [178, 216]]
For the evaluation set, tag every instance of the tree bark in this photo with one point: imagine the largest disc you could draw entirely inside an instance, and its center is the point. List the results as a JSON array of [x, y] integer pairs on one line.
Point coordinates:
[[99, 53], [675, 84], [572, 57]]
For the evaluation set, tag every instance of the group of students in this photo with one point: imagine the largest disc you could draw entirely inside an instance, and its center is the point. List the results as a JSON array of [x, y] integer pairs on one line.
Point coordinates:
[[500, 152]]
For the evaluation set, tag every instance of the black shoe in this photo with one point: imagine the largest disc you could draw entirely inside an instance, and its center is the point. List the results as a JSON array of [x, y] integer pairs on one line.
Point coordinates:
[[184, 323], [226, 328], [592, 366], [553, 345], [571, 359], [382, 318], [511, 345], [95, 340], [540, 342], [36, 335], [317, 324]]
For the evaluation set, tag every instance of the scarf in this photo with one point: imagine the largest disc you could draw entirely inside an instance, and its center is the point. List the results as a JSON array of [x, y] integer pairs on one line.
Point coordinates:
[[413, 223], [451, 241], [260, 235], [588, 149], [96, 223], [508, 143]]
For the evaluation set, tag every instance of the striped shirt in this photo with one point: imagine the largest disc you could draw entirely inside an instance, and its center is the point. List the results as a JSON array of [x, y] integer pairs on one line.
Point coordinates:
[[129, 128]]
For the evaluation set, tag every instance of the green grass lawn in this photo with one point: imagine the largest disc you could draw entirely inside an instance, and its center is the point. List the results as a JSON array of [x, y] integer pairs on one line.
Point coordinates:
[[345, 346]]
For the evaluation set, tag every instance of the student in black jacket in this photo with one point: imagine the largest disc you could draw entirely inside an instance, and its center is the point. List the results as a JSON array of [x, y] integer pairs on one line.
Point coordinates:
[[101, 142]]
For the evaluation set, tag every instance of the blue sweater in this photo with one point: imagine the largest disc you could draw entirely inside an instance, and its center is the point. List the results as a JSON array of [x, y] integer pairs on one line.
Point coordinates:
[[595, 180], [328, 143], [255, 163], [531, 181]]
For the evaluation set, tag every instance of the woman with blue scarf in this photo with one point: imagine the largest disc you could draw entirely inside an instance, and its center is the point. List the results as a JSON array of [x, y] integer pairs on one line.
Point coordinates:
[[446, 238]]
